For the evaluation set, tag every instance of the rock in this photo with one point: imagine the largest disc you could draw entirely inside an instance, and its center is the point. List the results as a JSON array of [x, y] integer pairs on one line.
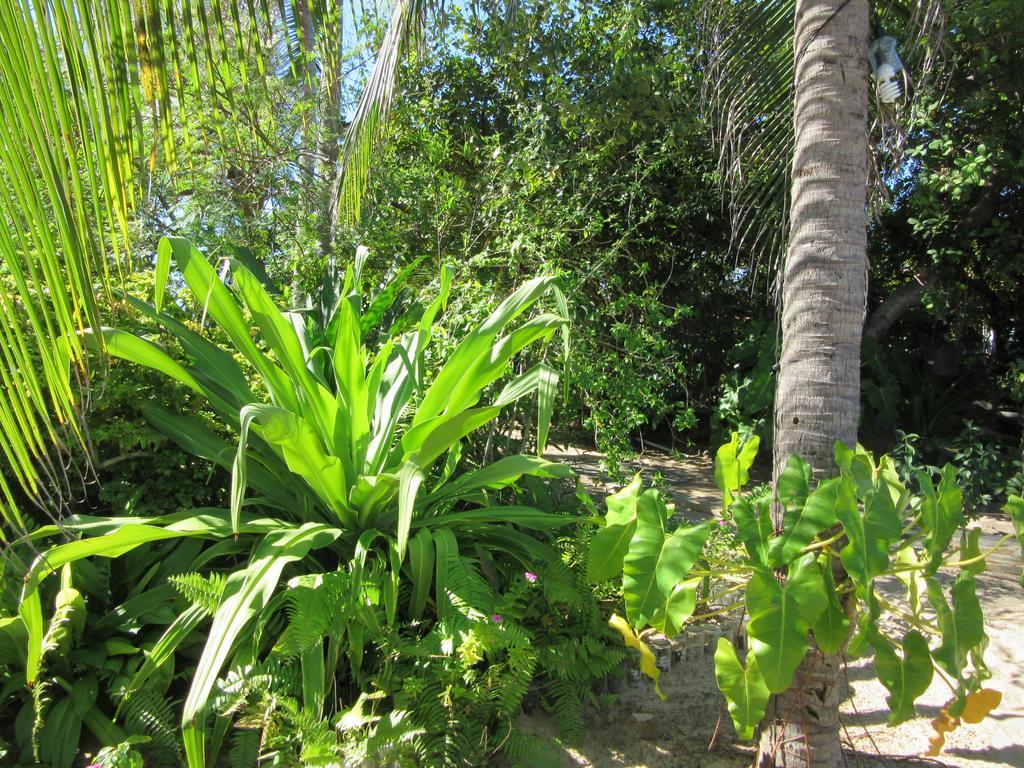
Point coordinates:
[[647, 725]]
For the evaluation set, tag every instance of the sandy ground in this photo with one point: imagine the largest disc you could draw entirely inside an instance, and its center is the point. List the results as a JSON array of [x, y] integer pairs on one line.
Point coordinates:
[[692, 729]]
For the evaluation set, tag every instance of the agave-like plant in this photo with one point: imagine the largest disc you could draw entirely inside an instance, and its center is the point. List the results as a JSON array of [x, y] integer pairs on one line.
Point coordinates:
[[338, 465]]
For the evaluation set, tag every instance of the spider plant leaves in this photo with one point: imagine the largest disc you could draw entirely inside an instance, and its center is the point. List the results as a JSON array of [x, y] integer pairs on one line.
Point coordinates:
[[302, 451], [501, 474], [744, 689], [906, 679], [184, 624], [409, 481], [478, 361], [780, 616], [112, 544], [215, 298], [421, 567], [247, 591]]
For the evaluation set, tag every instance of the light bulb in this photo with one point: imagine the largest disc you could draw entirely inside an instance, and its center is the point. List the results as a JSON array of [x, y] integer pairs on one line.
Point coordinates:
[[886, 65], [887, 84]]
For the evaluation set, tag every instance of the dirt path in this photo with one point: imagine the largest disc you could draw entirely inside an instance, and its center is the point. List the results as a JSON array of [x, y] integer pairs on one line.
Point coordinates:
[[639, 731]]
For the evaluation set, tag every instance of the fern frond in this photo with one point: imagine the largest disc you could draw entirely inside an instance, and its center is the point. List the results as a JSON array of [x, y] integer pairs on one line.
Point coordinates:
[[149, 711], [204, 591]]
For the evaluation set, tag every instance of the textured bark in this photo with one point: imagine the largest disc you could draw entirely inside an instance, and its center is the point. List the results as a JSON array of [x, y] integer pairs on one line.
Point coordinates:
[[824, 296], [811, 711], [824, 287]]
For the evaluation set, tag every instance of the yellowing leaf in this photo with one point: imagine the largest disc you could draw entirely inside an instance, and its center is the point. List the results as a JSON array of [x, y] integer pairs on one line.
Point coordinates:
[[647, 661], [943, 724], [980, 704]]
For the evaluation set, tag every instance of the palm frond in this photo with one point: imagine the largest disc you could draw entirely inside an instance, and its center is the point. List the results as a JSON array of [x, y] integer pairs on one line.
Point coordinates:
[[94, 95], [748, 100], [405, 31]]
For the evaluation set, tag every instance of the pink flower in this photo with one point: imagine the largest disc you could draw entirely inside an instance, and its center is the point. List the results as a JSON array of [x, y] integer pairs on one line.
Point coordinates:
[[530, 577], [497, 618]]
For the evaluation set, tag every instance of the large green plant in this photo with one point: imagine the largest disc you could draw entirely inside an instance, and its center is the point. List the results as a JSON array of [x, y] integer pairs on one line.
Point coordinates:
[[865, 520], [341, 447]]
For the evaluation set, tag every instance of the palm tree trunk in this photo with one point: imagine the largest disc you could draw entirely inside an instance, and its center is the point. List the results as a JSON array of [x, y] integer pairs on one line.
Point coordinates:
[[824, 293]]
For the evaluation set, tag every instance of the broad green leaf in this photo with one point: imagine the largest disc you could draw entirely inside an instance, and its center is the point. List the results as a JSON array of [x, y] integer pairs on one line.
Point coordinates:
[[732, 466], [745, 690], [610, 544], [678, 607], [962, 627], [547, 389], [905, 679], [832, 627], [780, 616], [856, 463], [869, 535], [656, 562], [247, 592], [867, 623], [970, 549], [753, 520], [941, 514], [912, 578], [794, 483], [801, 524]]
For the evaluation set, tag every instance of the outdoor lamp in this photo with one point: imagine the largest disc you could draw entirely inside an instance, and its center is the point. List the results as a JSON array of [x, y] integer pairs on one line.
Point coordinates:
[[885, 65]]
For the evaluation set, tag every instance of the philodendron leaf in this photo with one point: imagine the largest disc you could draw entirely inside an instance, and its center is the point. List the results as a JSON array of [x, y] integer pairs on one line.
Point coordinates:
[[905, 679], [832, 627], [679, 606], [656, 563], [732, 466], [801, 524], [962, 627], [794, 483], [1015, 509], [754, 526], [942, 512], [648, 664], [744, 689], [970, 549], [780, 616], [866, 553], [857, 463], [610, 544]]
